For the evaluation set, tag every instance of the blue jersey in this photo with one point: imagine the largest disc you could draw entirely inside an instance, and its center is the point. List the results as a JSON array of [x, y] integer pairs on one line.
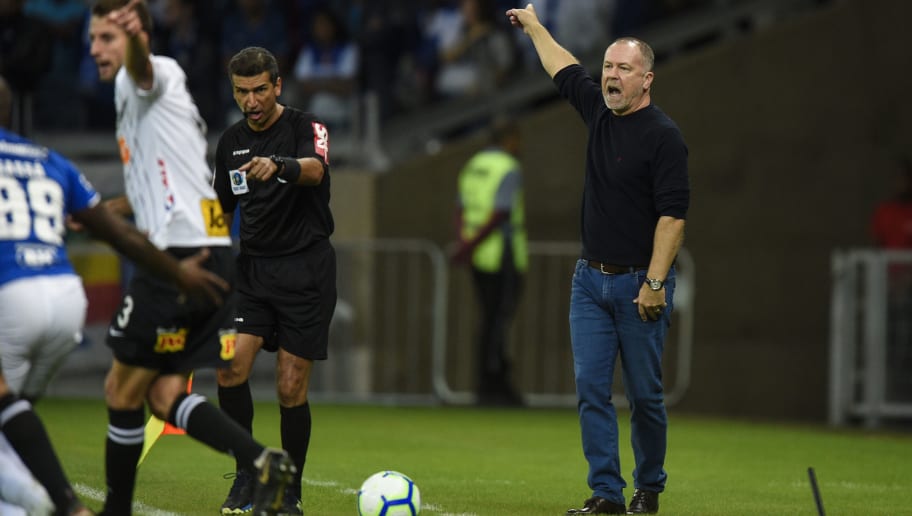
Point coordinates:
[[38, 188]]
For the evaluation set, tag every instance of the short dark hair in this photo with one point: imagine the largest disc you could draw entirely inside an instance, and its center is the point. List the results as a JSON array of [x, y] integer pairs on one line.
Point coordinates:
[[105, 7], [6, 103], [253, 61]]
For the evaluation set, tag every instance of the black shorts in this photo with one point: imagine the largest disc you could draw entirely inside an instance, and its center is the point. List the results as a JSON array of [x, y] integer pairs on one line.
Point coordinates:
[[288, 300], [157, 328]]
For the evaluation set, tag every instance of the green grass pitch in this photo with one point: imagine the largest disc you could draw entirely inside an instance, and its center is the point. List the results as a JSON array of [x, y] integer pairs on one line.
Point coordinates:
[[469, 461]]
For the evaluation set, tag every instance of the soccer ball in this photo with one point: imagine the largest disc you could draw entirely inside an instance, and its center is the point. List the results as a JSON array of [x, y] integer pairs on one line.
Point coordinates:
[[389, 493]]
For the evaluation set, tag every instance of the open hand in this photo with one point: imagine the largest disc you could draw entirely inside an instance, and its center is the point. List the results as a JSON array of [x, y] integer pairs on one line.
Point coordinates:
[[200, 283]]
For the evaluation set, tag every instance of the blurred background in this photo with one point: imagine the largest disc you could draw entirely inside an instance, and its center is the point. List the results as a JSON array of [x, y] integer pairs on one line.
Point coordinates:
[[796, 114]]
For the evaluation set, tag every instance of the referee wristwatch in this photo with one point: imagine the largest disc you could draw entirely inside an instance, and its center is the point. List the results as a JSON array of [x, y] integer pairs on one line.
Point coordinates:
[[655, 284], [279, 162]]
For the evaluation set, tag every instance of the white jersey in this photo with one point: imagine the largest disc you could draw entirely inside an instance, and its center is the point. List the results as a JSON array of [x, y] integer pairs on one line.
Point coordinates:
[[163, 147]]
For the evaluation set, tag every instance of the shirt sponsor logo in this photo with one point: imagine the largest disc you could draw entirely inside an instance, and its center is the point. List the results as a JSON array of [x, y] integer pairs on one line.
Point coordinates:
[[240, 152], [35, 255], [216, 225], [170, 340]]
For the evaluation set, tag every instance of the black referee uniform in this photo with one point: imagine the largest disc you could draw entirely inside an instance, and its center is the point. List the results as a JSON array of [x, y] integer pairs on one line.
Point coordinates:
[[287, 266]]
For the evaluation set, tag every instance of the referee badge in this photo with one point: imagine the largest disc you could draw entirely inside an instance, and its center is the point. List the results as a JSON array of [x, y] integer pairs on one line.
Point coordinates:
[[238, 182]]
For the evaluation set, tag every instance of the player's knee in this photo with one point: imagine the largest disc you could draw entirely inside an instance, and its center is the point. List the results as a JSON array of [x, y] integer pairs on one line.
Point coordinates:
[[292, 394], [118, 398], [161, 398], [231, 376]]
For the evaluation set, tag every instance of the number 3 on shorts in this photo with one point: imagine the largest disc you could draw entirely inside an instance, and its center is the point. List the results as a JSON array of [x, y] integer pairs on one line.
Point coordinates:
[[123, 317]]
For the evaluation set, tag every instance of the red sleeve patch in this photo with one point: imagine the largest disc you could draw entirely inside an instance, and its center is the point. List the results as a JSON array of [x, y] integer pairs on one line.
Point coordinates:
[[321, 141]]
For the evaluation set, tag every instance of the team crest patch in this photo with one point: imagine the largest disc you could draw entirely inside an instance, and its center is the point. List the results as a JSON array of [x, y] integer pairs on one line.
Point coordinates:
[[228, 341]]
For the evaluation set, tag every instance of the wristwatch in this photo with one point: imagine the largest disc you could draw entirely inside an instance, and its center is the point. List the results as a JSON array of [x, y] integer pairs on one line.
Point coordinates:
[[279, 162], [655, 284]]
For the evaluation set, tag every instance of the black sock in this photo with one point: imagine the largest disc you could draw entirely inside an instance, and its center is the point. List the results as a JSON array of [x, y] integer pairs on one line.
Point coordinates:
[[296, 425], [28, 437], [204, 422], [237, 402], [123, 447]]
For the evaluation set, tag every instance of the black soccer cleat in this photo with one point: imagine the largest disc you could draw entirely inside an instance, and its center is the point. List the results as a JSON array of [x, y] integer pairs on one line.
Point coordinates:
[[240, 497], [291, 505], [275, 472]]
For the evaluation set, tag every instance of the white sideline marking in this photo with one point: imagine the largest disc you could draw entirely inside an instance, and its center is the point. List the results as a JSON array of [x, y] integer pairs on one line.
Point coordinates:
[[138, 507]]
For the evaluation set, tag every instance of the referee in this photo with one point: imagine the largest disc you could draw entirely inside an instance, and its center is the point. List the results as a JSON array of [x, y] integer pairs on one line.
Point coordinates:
[[275, 164]]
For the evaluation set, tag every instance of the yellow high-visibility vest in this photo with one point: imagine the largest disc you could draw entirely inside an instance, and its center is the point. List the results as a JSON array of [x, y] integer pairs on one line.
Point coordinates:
[[478, 184]]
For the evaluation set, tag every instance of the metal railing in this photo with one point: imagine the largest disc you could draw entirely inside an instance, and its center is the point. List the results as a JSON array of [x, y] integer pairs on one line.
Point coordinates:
[[404, 331], [405, 327], [870, 336]]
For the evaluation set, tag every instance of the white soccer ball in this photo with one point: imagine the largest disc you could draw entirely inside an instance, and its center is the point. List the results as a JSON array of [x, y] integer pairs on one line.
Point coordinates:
[[389, 493]]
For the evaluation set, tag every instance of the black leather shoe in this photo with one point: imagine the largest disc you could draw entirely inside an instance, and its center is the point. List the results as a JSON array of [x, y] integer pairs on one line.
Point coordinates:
[[644, 502], [598, 505]]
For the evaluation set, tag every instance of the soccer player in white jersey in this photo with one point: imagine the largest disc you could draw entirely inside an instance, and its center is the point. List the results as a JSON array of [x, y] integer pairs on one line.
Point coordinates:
[[157, 338], [43, 304]]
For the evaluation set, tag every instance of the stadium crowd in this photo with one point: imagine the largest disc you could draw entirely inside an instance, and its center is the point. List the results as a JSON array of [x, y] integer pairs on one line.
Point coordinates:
[[410, 53]]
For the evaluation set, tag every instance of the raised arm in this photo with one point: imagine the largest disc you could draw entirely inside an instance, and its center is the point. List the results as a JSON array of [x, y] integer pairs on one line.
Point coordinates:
[[137, 62], [554, 57]]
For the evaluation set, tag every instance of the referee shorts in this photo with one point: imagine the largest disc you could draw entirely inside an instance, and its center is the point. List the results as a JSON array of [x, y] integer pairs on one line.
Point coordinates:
[[289, 300], [159, 328]]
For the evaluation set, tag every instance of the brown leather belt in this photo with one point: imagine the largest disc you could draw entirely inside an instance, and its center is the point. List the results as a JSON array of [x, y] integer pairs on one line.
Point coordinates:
[[607, 268]]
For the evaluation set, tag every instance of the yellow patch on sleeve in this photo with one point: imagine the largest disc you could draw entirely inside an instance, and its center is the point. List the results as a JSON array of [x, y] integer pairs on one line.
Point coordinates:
[[216, 225]]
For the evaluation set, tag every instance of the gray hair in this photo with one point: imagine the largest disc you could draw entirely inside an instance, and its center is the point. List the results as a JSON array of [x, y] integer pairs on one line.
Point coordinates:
[[645, 50]]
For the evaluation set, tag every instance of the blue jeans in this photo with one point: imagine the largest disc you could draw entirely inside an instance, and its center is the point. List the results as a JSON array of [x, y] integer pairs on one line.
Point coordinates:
[[604, 322]]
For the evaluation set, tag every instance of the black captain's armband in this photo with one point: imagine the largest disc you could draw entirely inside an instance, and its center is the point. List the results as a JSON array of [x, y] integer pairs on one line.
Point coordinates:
[[289, 169]]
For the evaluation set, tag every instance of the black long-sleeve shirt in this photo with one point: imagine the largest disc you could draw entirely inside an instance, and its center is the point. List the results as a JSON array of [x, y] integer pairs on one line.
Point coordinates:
[[636, 171]]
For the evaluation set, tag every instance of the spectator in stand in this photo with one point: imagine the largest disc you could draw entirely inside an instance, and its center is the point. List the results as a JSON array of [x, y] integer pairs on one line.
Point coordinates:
[[387, 37], [440, 23], [25, 56], [479, 61], [182, 35], [326, 71], [252, 23], [55, 95]]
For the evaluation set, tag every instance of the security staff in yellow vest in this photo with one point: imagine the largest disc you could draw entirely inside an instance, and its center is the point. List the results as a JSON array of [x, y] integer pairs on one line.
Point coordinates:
[[492, 237]]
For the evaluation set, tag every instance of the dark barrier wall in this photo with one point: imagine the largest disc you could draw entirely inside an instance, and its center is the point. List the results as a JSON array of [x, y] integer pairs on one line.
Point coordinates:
[[793, 131]]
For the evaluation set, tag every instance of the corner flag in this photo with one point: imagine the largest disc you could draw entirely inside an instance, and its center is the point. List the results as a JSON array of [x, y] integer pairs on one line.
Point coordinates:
[[156, 428]]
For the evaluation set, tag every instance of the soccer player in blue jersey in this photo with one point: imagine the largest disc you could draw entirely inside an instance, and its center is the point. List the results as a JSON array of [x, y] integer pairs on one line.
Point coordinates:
[[42, 301]]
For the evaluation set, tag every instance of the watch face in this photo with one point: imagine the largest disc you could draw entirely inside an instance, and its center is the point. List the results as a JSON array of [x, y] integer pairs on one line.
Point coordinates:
[[655, 284]]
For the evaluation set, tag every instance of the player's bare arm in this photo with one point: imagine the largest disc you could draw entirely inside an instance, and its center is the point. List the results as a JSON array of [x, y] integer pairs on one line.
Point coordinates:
[[669, 237], [553, 57], [188, 274], [119, 205], [137, 61]]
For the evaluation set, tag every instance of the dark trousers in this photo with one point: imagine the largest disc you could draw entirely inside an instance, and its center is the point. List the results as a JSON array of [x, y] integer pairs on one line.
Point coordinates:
[[498, 296]]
